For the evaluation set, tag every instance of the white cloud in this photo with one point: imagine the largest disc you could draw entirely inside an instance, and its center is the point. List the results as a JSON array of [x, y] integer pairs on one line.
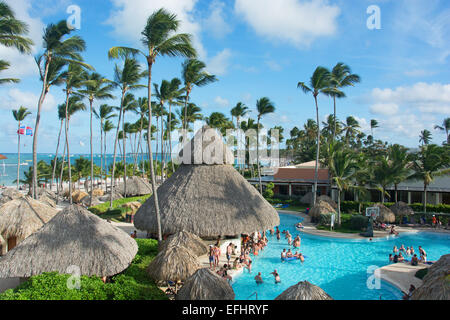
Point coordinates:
[[419, 73], [296, 22], [16, 98], [386, 109], [273, 65], [128, 18], [221, 102], [220, 63], [215, 24], [405, 126]]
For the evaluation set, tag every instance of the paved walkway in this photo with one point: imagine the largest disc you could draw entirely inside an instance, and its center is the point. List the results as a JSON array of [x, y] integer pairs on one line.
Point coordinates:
[[401, 275]]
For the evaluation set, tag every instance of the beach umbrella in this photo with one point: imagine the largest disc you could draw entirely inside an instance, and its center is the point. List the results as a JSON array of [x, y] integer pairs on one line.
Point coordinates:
[[186, 240], [207, 197], [44, 192], [2, 157], [321, 207], [205, 284], [74, 238], [401, 209], [78, 195], [386, 215], [304, 291], [22, 217], [136, 186], [436, 283], [173, 264], [9, 194]]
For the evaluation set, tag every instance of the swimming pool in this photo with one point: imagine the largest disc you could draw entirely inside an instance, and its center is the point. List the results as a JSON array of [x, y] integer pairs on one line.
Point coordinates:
[[338, 266]]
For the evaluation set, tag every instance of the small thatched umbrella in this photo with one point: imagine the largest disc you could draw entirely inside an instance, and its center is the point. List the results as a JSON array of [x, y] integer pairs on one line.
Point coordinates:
[[386, 215], [106, 197], [402, 209], [10, 194], [85, 201], [436, 283], [40, 192], [186, 240], [136, 186], [304, 291], [321, 207], [22, 217], [173, 264], [74, 237], [48, 201], [330, 201], [207, 197], [205, 284], [97, 192], [78, 195]]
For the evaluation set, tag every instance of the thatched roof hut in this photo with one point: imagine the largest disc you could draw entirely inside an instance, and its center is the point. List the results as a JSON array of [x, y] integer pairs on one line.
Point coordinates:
[[205, 284], [85, 201], [208, 199], [386, 215], [116, 195], [330, 201], [10, 194], [401, 209], [74, 237], [136, 186], [304, 291], [22, 217], [44, 192], [436, 283], [78, 195], [321, 207], [173, 264], [97, 192], [186, 240], [48, 201]]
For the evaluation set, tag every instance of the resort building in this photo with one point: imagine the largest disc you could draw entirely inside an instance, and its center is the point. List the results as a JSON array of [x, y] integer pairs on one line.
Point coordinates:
[[296, 181]]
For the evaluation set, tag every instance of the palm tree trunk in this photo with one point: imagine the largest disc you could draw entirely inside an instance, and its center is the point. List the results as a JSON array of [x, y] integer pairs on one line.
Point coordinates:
[[185, 124], [113, 183], [334, 131], [316, 169], [162, 149], [60, 185], [67, 145], [425, 197], [124, 156], [105, 164], [56, 155], [395, 186], [257, 157], [101, 152], [18, 155], [170, 137], [149, 133], [382, 195], [92, 157], [339, 208]]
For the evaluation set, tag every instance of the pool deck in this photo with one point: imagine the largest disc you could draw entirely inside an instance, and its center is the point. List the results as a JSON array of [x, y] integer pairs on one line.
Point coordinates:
[[401, 275]]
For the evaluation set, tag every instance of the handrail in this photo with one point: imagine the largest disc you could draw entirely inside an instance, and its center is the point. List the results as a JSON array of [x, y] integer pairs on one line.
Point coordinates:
[[253, 294]]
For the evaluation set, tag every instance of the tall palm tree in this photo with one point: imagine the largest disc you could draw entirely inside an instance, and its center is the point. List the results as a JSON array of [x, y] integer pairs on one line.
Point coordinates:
[[193, 114], [129, 104], [161, 94], [400, 163], [219, 121], [351, 126], [4, 65], [107, 127], [194, 74], [160, 38], [62, 51], [425, 137], [445, 127], [320, 82], [61, 117], [246, 126], [96, 87], [341, 76], [373, 125], [239, 111], [141, 110], [126, 79], [263, 107], [383, 174], [174, 94], [19, 115]]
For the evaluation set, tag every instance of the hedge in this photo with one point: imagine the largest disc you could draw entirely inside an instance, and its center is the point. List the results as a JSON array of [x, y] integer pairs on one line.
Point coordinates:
[[352, 206]]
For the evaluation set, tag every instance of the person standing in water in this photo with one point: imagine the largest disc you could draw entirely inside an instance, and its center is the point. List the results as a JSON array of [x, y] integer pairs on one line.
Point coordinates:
[[277, 276]]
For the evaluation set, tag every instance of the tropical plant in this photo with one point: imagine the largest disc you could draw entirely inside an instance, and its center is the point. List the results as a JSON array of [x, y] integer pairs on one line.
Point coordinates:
[[425, 137], [446, 128], [19, 115], [373, 125], [61, 117], [4, 65], [193, 114], [400, 163]]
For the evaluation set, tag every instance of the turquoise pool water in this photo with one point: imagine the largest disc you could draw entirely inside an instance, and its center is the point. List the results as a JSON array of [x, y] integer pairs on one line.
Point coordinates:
[[338, 266]]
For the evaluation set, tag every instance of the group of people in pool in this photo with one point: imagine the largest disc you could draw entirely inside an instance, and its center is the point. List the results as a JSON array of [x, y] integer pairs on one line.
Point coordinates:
[[275, 274], [397, 255]]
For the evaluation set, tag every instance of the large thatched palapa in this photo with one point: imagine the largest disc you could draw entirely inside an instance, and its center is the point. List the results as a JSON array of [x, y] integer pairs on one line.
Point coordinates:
[[436, 284], [173, 264], [204, 284], [74, 237], [136, 186], [330, 201], [401, 209], [386, 215], [22, 217], [10, 194], [186, 240], [321, 207], [304, 291], [208, 198]]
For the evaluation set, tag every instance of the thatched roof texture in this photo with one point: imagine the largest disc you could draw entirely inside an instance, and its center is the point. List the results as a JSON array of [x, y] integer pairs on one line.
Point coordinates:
[[21, 217], [386, 215], [186, 240], [330, 201], [304, 291], [436, 283], [85, 201], [48, 201], [321, 207], [116, 195], [205, 284], [10, 194], [136, 186], [97, 192], [173, 264], [74, 237], [78, 195], [401, 209], [132, 207], [44, 192]]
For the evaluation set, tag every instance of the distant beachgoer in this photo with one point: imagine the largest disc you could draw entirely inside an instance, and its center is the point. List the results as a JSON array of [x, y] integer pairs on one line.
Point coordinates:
[[402, 248], [211, 256], [408, 251], [391, 258], [289, 254], [236, 264], [395, 260], [283, 254], [277, 276], [229, 251], [400, 257], [434, 221], [395, 250], [216, 255], [407, 296], [134, 234], [258, 278], [412, 250], [249, 267]]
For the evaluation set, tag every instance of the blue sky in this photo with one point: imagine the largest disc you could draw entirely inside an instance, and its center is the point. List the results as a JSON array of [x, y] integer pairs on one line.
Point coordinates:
[[260, 48]]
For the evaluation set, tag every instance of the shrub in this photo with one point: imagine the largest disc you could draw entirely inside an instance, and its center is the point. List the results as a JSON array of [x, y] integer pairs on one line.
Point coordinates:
[[358, 222], [324, 219], [268, 192], [421, 273]]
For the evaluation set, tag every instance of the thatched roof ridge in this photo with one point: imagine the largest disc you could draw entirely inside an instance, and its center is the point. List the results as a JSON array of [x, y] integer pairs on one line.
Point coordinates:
[[9, 194], [205, 284], [186, 240], [207, 200], [21, 217], [207, 147], [173, 264], [436, 283], [44, 192], [136, 186], [304, 291], [47, 200], [386, 215], [401, 209], [74, 237], [78, 195], [330, 201]]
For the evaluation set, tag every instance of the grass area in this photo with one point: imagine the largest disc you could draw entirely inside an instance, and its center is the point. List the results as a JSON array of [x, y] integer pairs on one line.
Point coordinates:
[[132, 284], [117, 213]]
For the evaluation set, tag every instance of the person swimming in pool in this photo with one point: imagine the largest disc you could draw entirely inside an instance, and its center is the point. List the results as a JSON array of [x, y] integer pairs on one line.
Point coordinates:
[[395, 250], [258, 278], [408, 251], [297, 241], [283, 254], [301, 257], [402, 248], [277, 276], [289, 254]]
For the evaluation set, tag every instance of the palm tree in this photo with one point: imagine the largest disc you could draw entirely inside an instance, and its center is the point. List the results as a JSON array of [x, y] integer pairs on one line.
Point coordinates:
[[445, 127], [341, 76], [383, 175], [425, 137], [57, 51], [351, 126], [373, 125], [249, 138], [399, 161], [107, 127], [263, 106], [193, 74], [174, 94], [126, 79], [239, 111], [61, 117], [219, 121], [19, 116], [129, 104], [95, 88], [320, 82], [160, 39], [141, 110], [193, 114], [429, 162], [3, 66]]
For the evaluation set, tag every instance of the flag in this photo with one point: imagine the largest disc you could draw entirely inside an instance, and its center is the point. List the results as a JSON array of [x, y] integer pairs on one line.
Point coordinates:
[[21, 130], [29, 131]]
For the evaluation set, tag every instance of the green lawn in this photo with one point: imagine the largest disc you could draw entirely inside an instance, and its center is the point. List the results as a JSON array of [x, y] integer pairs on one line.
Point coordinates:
[[117, 213]]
